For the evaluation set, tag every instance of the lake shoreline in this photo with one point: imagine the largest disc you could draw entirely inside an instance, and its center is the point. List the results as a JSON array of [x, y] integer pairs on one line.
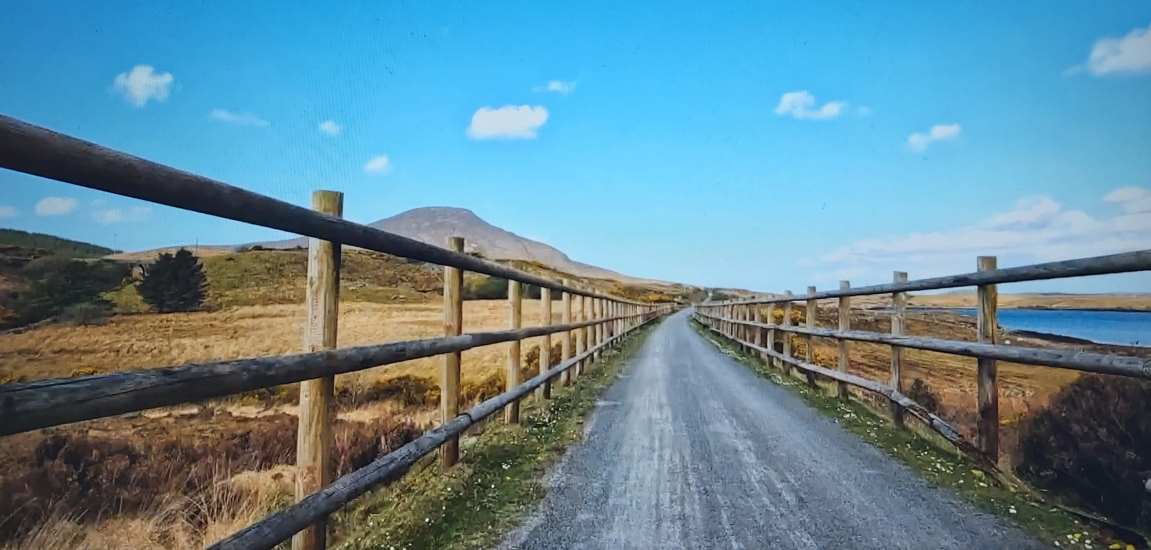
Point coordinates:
[[1010, 321]]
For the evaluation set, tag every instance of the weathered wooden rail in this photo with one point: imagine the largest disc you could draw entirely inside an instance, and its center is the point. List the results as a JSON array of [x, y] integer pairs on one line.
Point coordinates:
[[597, 322], [751, 325]]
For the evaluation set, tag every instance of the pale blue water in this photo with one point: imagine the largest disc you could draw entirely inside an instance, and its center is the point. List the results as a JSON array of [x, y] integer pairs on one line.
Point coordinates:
[[1106, 327]]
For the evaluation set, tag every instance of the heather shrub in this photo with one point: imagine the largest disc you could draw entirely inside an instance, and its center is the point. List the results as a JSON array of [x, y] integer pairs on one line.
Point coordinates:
[[921, 393], [93, 477], [1092, 444]]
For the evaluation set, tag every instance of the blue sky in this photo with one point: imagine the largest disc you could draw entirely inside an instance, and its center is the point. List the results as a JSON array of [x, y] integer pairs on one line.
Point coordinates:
[[767, 146]]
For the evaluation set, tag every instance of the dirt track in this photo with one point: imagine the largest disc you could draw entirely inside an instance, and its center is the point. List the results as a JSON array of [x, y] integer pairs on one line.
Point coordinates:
[[689, 449]]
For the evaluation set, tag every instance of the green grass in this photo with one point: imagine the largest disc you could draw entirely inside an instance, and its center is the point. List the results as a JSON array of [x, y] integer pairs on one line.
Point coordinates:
[[498, 479], [51, 244], [940, 465], [265, 277]]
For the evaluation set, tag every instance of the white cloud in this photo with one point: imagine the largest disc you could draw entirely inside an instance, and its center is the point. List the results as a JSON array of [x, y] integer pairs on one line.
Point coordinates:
[[918, 141], [507, 122], [239, 119], [1127, 54], [331, 128], [8, 212], [1036, 229], [562, 87], [1133, 200], [120, 215], [55, 206], [802, 105], [142, 84], [379, 164]]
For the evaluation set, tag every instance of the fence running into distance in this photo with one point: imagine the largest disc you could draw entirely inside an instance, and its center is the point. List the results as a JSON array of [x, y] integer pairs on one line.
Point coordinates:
[[595, 322], [753, 327]]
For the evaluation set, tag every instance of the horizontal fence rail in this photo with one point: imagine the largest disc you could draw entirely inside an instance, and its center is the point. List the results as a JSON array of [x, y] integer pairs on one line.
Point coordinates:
[[743, 321], [1126, 262], [38, 151], [597, 321], [51, 402], [282, 524], [1103, 363]]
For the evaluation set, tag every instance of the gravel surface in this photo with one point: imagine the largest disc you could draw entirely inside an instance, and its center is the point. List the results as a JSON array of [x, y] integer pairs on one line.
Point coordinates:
[[690, 449]]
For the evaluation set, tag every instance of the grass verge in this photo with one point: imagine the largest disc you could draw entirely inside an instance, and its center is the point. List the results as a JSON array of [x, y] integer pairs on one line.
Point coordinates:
[[941, 466], [498, 479]]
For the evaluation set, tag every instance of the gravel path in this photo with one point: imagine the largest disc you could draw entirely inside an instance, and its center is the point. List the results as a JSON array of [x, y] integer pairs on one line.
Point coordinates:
[[690, 449]]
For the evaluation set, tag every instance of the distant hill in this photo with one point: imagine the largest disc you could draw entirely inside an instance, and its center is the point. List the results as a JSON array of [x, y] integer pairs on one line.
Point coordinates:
[[434, 224], [50, 245]]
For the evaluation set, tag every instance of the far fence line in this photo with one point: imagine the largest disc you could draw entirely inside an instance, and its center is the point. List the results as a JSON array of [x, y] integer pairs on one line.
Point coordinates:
[[746, 323], [591, 322]]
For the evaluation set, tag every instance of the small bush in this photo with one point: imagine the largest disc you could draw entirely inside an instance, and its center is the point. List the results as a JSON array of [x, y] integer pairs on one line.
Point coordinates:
[[86, 314], [1093, 444], [921, 393], [485, 288], [407, 389], [174, 282]]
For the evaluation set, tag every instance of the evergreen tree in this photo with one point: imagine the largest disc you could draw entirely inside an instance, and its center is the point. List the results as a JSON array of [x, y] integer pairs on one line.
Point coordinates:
[[56, 283], [174, 282]]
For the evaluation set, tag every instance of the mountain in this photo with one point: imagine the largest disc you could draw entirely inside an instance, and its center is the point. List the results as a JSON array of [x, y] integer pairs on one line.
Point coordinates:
[[434, 224]]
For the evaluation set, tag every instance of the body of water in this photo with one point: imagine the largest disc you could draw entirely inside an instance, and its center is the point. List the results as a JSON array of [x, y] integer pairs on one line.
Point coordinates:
[[1129, 328]]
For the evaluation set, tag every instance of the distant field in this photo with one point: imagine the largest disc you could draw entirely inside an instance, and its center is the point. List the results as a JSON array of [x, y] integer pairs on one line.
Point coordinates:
[[1135, 302], [128, 342]]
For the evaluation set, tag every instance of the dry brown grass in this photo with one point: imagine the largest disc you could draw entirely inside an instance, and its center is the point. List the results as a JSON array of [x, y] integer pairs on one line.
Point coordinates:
[[1133, 302], [129, 342], [1023, 389]]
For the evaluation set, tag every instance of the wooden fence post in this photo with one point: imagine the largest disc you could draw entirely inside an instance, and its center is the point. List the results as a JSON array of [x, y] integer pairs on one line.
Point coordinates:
[[772, 361], [586, 315], [987, 388], [844, 324], [580, 333], [789, 370], [545, 389], [566, 318], [314, 466], [450, 372], [597, 312], [515, 321], [898, 317], [760, 333], [809, 319]]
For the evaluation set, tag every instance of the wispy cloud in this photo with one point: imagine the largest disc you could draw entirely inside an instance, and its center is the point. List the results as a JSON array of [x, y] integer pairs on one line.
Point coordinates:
[[1130, 53], [801, 105], [918, 141], [379, 164], [331, 128], [142, 84], [8, 212], [562, 87], [238, 119], [1036, 229], [55, 206], [108, 216], [1131, 199], [507, 122]]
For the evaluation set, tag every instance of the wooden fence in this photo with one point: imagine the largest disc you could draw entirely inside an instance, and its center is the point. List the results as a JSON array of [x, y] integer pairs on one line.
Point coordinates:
[[744, 322], [593, 321]]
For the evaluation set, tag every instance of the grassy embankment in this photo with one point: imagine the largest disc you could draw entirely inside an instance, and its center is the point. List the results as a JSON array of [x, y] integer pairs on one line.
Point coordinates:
[[499, 478], [935, 461]]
